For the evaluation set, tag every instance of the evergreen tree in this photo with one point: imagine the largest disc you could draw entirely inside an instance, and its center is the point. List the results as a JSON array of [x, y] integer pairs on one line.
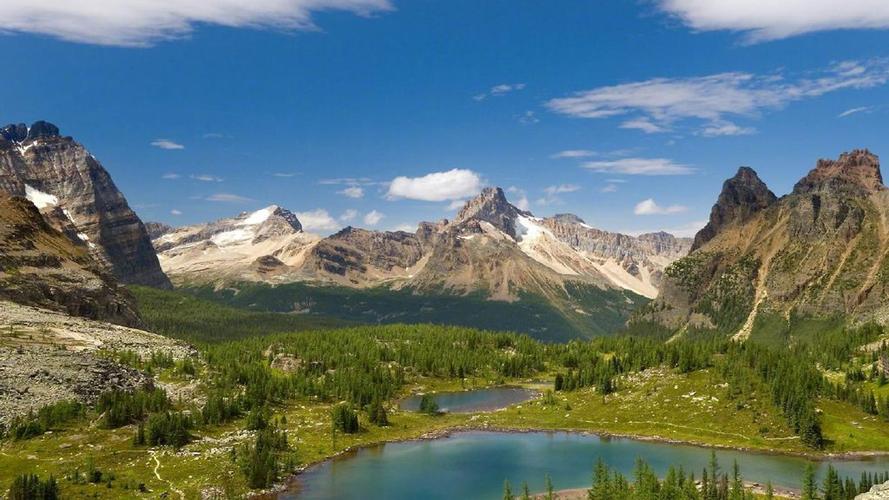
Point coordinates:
[[808, 492]]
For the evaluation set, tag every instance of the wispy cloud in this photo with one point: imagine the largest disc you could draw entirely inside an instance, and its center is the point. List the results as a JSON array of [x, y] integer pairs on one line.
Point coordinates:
[[551, 193], [206, 178], [373, 218], [639, 166], [574, 153], [499, 90], [707, 102], [528, 118], [349, 181], [455, 205], [228, 198], [352, 192], [171, 176], [650, 207], [763, 20], [608, 188], [852, 111], [140, 24], [349, 215], [436, 186], [213, 135], [161, 143], [175, 212], [284, 174], [520, 198]]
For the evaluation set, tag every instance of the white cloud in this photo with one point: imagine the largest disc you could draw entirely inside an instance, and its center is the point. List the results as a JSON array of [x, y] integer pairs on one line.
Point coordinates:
[[317, 220], [349, 181], [455, 205], [206, 178], [659, 104], [650, 207], [139, 23], [175, 212], [639, 166], [552, 192], [228, 198], [852, 111], [158, 143], [528, 118], [171, 176], [437, 186], [283, 174], [352, 192], [763, 20], [608, 188], [521, 198], [643, 124], [499, 90], [721, 127], [349, 215], [574, 153], [373, 218]]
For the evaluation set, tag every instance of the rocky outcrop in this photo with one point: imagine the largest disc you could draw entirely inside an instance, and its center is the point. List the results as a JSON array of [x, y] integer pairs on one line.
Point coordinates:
[[877, 492], [157, 229], [742, 196], [822, 250], [76, 194], [41, 266], [55, 357]]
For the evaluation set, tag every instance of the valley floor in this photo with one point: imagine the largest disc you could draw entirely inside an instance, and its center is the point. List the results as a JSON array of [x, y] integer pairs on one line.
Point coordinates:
[[656, 404]]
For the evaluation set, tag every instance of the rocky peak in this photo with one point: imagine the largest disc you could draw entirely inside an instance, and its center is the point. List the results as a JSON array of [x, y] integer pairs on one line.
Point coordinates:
[[491, 206], [19, 132], [158, 229], [567, 219], [742, 196], [856, 172], [74, 191]]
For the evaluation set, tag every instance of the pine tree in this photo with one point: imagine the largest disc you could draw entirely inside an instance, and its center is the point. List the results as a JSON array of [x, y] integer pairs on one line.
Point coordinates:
[[507, 491], [808, 492], [549, 488]]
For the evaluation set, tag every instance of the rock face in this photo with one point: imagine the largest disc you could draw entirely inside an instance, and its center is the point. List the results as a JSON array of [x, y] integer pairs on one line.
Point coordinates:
[[359, 256], [633, 262], [820, 251], [41, 266], [491, 206], [76, 194], [742, 196]]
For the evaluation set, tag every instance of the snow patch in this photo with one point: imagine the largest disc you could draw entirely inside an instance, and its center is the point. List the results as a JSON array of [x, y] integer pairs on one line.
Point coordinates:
[[258, 217], [83, 237], [527, 230], [232, 237], [39, 198]]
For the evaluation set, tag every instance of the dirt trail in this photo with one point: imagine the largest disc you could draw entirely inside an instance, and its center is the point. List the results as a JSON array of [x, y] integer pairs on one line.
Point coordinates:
[[157, 464]]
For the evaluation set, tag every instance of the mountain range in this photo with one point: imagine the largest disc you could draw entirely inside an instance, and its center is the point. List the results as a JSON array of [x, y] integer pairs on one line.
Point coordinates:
[[69, 241]]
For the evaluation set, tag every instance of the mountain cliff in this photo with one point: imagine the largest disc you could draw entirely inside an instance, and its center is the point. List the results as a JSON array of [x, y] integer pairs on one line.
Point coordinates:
[[41, 266], [77, 196], [820, 251]]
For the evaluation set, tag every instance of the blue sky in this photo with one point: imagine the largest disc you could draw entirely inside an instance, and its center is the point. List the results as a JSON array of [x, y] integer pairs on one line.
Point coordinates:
[[383, 113]]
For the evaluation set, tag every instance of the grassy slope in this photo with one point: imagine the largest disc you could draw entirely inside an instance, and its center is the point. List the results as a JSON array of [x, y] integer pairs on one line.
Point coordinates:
[[606, 311], [183, 316]]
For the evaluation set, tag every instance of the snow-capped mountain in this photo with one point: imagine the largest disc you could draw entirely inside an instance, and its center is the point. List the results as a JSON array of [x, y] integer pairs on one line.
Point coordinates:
[[490, 247], [265, 245]]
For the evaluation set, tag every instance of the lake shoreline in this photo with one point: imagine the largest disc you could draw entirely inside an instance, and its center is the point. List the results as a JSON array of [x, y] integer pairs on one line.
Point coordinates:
[[466, 428]]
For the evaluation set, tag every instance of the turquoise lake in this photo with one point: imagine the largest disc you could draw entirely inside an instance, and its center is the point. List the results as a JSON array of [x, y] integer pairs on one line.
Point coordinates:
[[474, 464], [489, 399]]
